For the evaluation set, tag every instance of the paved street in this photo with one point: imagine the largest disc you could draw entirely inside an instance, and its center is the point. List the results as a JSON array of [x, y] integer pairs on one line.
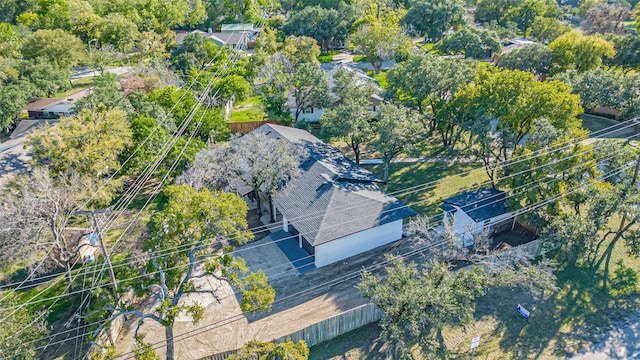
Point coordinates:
[[621, 343]]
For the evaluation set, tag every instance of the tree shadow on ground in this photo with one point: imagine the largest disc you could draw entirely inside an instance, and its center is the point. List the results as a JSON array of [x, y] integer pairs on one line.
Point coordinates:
[[563, 322]]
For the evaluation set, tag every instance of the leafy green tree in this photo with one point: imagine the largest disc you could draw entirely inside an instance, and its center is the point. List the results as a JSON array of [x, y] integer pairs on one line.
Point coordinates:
[[57, 46], [327, 26], [428, 84], [504, 106], [351, 122], [22, 331], [535, 58], [301, 49], [474, 42], [53, 14], [380, 42], [431, 19], [596, 88], [396, 128], [582, 52], [13, 101], [256, 350], [179, 103], [520, 12], [87, 26], [271, 82], [627, 55], [199, 223], [88, 143], [195, 52], [232, 87], [545, 29], [106, 94], [418, 302], [630, 97], [150, 139], [119, 31], [553, 167], [308, 87], [46, 77], [9, 40]]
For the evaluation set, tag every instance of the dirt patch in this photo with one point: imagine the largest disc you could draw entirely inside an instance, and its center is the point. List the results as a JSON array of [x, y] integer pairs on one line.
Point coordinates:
[[301, 300]]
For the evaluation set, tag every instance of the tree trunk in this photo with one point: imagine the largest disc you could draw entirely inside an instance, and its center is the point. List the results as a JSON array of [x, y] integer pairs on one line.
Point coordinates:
[[168, 333], [386, 170], [258, 202], [271, 212], [67, 272], [377, 66]]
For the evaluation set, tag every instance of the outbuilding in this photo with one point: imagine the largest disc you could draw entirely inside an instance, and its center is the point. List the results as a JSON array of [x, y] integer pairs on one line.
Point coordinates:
[[471, 213]]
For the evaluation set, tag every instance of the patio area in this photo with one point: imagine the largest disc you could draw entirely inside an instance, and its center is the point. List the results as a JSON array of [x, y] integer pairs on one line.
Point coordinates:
[[299, 257]]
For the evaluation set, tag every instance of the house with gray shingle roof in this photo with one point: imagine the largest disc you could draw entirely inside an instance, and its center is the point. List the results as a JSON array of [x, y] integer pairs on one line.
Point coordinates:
[[474, 212], [334, 209]]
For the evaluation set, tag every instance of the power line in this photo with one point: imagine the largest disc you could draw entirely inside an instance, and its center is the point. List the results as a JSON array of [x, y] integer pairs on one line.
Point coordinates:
[[373, 267], [530, 208], [401, 192]]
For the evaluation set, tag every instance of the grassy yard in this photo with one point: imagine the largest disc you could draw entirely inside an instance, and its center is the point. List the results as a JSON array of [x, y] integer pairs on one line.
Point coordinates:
[[560, 323], [406, 175], [248, 110], [382, 79], [360, 58], [78, 85], [328, 56]]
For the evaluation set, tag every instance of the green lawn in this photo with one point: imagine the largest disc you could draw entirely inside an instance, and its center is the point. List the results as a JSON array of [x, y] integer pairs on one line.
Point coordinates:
[[360, 58], [382, 79], [328, 56], [406, 175], [78, 85], [248, 110]]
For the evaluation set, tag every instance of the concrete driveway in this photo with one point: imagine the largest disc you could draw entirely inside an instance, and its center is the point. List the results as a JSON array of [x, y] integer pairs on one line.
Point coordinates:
[[266, 255]]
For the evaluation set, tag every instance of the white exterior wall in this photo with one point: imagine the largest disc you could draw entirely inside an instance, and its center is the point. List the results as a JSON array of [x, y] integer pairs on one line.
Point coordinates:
[[310, 117], [465, 227], [357, 243]]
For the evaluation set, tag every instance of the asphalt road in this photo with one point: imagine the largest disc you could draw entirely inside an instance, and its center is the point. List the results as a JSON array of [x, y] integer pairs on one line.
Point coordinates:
[[621, 343]]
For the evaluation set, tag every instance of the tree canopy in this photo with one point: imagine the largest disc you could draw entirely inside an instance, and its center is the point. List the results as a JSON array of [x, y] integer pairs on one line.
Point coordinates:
[[582, 52]]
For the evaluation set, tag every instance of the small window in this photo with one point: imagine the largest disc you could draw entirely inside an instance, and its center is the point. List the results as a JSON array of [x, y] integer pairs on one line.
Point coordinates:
[[308, 110]]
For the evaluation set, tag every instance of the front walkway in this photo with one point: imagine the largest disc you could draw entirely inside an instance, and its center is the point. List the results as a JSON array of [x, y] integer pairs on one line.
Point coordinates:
[[299, 257]]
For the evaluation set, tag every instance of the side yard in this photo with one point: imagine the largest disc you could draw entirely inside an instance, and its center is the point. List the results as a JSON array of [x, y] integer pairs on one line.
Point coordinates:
[[560, 324]]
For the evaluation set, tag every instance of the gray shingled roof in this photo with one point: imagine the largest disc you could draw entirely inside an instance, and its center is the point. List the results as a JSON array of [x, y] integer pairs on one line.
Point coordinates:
[[480, 205], [334, 197]]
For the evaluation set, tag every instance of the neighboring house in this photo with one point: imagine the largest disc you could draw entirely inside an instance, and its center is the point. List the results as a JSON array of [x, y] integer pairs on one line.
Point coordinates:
[[54, 108], [514, 44], [239, 28], [241, 39], [480, 211], [334, 208], [313, 114]]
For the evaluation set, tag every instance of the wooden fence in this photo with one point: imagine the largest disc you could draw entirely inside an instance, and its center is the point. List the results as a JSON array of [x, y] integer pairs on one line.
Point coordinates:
[[245, 127], [109, 335], [326, 329]]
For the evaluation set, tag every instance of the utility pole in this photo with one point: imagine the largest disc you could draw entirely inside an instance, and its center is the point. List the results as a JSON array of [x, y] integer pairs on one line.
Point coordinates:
[[92, 213]]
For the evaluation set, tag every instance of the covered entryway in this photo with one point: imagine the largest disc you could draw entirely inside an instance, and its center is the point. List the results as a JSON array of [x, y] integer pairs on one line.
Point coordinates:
[[298, 256]]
